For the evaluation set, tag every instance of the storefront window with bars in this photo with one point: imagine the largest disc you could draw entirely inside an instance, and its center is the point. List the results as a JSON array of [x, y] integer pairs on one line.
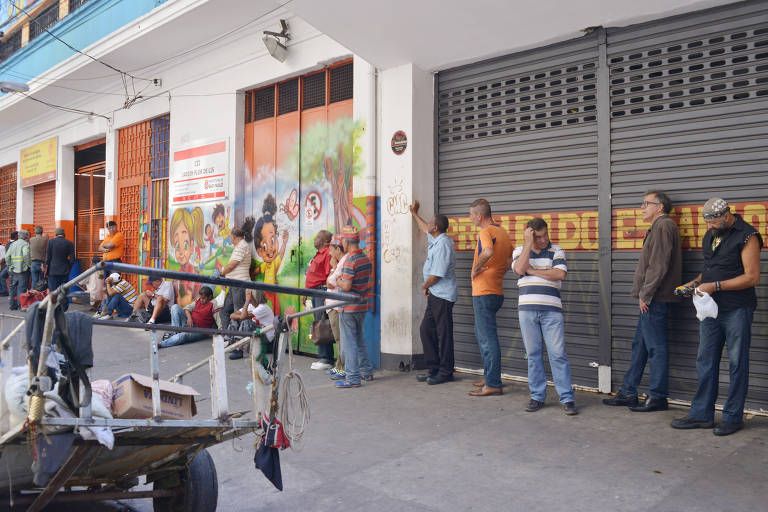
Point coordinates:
[[7, 201]]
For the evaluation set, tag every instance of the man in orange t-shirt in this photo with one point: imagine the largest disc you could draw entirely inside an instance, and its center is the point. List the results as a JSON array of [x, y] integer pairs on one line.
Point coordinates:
[[490, 263], [113, 245]]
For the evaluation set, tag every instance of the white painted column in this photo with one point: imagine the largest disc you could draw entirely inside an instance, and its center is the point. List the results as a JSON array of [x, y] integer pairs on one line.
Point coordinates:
[[65, 186], [110, 169], [406, 95]]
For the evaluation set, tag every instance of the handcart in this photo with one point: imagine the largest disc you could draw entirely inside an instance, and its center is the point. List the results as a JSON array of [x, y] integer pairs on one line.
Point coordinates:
[[170, 454]]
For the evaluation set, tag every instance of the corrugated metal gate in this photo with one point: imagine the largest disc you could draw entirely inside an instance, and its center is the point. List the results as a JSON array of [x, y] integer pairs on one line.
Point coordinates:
[[7, 201], [682, 105], [44, 207], [689, 115], [521, 131], [89, 211]]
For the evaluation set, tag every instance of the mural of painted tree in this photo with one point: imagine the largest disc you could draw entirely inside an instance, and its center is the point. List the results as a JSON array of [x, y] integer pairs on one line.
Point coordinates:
[[327, 152]]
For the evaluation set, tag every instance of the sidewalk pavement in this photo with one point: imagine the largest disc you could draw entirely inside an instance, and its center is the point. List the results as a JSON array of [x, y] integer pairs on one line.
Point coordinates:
[[396, 444]]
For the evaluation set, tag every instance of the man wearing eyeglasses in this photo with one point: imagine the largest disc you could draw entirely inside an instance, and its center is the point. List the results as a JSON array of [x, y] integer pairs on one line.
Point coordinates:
[[731, 250], [658, 272]]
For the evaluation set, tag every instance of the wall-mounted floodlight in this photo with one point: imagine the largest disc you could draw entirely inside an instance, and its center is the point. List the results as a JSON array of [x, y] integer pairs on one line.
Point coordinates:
[[13, 87], [277, 49]]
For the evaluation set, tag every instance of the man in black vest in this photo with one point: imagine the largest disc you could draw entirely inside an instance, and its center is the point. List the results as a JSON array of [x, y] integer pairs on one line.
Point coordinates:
[[59, 258], [731, 250]]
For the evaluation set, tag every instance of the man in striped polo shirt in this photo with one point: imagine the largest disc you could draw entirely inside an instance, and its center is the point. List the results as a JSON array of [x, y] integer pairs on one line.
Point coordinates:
[[541, 267], [357, 278], [122, 296]]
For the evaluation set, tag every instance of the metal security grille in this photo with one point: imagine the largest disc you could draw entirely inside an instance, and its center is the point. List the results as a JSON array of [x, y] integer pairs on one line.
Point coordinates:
[[263, 103], [313, 91], [521, 132], [44, 207], [89, 211], [74, 4], [689, 115], [12, 44], [341, 83], [7, 201], [45, 20], [288, 97]]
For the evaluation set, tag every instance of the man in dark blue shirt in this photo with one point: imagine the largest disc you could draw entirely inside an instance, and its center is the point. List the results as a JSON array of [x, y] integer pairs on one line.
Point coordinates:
[[731, 250], [59, 258]]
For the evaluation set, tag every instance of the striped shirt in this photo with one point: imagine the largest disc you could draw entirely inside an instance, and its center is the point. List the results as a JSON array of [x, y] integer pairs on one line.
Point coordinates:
[[537, 293], [127, 290], [358, 269]]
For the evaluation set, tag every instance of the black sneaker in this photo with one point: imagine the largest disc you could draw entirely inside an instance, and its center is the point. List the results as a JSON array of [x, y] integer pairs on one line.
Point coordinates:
[[688, 423], [422, 377], [621, 400], [727, 428], [236, 354], [533, 405], [569, 408]]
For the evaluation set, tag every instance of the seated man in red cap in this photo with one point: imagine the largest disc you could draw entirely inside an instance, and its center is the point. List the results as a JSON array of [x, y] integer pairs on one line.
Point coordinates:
[[356, 278]]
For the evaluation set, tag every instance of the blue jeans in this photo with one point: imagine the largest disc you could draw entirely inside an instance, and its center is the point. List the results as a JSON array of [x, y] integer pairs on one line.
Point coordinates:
[[650, 345], [3, 277], [179, 319], [18, 286], [324, 352], [118, 302], [486, 307], [355, 351], [56, 281], [732, 329], [539, 327], [36, 267]]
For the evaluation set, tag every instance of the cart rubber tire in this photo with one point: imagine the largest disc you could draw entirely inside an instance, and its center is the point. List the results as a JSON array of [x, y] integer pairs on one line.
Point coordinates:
[[200, 488]]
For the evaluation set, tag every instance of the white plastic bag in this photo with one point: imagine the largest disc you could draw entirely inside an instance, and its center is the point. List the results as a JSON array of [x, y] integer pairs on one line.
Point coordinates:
[[706, 307]]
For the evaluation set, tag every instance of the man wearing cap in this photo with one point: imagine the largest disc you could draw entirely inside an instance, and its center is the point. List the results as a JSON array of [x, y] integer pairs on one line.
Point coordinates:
[[658, 272], [18, 260], [338, 257], [317, 273], [157, 301], [37, 247], [113, 245], [122, 296], [356, 278], [440, 289], [731, 250], [59, 258]]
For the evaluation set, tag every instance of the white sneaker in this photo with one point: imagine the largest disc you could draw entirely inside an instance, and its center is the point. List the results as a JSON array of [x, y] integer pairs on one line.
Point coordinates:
[[105, 317], [319, 365]]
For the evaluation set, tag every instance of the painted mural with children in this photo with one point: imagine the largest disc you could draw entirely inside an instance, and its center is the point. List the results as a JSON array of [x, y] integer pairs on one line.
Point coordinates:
[[199, 242]]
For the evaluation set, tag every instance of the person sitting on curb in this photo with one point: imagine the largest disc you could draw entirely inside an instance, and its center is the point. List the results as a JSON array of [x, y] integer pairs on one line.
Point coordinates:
[[195, 314], [155, 303], [122, 297], [256, 312]]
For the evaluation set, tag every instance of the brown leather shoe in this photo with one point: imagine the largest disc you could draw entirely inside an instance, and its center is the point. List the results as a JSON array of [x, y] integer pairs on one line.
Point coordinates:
[[485, 391], [479, 383]]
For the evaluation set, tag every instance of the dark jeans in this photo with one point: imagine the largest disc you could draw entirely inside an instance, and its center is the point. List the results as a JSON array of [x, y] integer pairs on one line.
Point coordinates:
[[3, 277], [732, 329], [650, 345], [56, 281], [18, 286], [234, 301], [36, 268], [324, 352], [486, 307], [118, 302], [437, 336]]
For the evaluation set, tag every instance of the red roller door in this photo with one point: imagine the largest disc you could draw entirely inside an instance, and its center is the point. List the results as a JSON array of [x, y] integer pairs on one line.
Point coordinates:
[[45, 204]]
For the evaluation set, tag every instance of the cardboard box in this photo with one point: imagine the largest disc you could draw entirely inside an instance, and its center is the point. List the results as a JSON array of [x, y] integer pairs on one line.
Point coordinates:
[[133, 398]]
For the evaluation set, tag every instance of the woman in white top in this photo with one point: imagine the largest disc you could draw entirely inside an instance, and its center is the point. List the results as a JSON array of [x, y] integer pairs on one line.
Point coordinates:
[[337, 263]]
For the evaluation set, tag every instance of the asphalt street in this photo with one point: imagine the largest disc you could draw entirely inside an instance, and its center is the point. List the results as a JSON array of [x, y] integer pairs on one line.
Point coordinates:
[[396, 444]]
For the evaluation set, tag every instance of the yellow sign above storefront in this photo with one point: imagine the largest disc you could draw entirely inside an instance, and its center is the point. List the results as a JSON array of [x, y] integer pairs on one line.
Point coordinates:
[[37, 164]]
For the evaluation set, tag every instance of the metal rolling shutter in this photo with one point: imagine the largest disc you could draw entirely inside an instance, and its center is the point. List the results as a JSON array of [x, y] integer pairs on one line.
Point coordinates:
[[689, 115], [521, 132], [44, 207]]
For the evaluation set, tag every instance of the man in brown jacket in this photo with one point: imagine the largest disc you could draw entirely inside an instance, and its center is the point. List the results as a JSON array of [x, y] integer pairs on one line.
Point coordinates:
[[657, 273]]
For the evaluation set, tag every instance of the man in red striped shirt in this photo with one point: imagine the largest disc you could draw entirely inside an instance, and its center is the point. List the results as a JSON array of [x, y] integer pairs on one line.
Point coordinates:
[[356, 278], [317, 274]]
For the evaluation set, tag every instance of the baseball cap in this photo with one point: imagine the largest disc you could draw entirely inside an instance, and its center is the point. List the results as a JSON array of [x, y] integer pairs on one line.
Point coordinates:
[[114, 276], [350, 233], [715, 208], [336, 240]]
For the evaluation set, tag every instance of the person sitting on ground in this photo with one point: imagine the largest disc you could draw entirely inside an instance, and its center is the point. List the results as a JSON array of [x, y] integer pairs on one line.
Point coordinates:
[[156, 303], [196, 314], [94, 285], [122, 297], [256, 312]]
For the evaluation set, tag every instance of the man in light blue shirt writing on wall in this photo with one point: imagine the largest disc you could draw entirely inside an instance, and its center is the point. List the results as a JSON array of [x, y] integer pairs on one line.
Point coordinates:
[[440, 288]]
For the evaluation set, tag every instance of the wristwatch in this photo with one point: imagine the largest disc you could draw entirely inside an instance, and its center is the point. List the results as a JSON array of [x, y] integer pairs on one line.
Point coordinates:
[[717, 286]]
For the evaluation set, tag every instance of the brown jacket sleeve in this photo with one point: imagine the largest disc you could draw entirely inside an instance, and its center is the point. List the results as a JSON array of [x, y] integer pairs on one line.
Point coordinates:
[[658, 258]]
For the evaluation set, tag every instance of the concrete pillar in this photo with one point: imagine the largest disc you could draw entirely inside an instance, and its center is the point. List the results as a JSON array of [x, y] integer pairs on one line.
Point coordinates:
[[65, 191], [110, 169], [406, 104]]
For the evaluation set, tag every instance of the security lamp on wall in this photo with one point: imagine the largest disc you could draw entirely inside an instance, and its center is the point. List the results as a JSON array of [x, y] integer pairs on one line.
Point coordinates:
[[13, 87], [277, 49]]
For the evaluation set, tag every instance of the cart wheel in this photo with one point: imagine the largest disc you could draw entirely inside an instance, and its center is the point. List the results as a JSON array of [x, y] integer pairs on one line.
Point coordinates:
[[200, 491]]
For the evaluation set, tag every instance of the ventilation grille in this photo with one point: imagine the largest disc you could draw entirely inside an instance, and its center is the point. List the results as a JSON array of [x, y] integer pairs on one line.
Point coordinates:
[[313, 93], [288, 97], [45, 20], [704, 71], [264, 103], [543, 99], [341, 83]]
